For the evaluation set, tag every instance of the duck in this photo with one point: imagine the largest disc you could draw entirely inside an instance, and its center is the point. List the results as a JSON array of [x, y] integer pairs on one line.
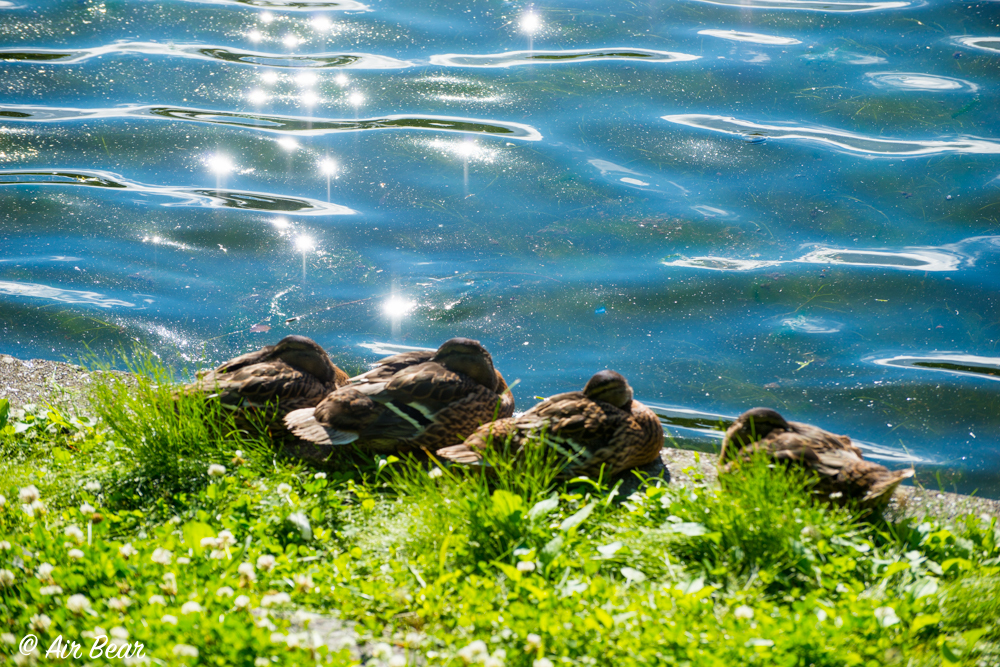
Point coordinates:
[[416, 401], [602, 431], [293, 374], [845, 476]]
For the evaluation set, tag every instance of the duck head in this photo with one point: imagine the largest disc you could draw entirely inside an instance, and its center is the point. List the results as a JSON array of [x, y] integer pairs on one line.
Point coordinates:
[[469, 357], [756, 424], [610, 387], [306, 355]]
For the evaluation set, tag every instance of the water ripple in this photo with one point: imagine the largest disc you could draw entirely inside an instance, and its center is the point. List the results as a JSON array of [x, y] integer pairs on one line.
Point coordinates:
[[958, 364], [753, 37], [848, 142], [911, 258], [281, 124], [57, 294], [810, 5], [198, 197], [292, 5], [203, 52], [991, 44], [512, 58], [921, 82]]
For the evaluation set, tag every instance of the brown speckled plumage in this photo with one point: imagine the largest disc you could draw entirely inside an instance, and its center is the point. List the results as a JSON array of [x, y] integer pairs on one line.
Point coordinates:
[[601, 428], [296, 373], [412, 401], [844, 475]]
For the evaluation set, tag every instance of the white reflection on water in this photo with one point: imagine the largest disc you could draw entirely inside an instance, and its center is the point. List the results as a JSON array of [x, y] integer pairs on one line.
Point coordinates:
[[955, 363], [56, 294], [849, 142], [920, 82], [811, 325], [386, 348], [753, 37], [945, 258], [558, 57], [810, 5], [982, 43], [397, 307]]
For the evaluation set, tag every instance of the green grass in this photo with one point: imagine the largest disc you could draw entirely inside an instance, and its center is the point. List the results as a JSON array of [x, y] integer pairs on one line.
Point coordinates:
[[408, 562]]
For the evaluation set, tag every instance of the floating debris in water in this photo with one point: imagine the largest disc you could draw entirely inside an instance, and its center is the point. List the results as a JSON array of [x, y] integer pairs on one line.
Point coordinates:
[[600, 310], [754, 138]]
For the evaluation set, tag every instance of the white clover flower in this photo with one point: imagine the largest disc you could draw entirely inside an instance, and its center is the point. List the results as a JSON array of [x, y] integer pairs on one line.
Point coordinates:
[[247, 574], [4, 545], [3, 502], [397, 661], [319, 475], [743, 612], [216, 470], [217, 554], [75, 554], [162, 556], [474, 652], [278, 638], [241, 601], [542, 662], [75, 533], [119, 604], [265, 562], [191, 607], [118, 632], [226, 539], [40, 622], [261, 662], [45, 571], [225, 592], [435, 472], [275, 598], [93, 486], [212, 542], [169, 585], [525, 566], [28, 494], [169, 618], [185, 651], [37, 507], [381, 651], [886, 616], [50, 590], [492, 661], [77, 603], [6, 578], [303, 582], [183, 560], [821, 614], [533, 639], [127, 550], [87, 508], [157, 599], [238, 453], [8, 638], [284, 489]]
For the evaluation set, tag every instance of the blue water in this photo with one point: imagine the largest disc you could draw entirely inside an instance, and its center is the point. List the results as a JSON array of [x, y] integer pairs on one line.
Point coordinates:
[[734, 203]]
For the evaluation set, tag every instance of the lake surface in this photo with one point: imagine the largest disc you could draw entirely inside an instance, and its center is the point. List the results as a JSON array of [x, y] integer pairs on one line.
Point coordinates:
[[734, 203]]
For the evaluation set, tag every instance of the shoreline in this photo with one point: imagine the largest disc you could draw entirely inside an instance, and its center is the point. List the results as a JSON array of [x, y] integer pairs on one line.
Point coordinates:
[[64, 385]]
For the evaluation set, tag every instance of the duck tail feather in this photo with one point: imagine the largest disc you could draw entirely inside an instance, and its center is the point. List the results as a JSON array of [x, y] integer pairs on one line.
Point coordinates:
[[304, 425]]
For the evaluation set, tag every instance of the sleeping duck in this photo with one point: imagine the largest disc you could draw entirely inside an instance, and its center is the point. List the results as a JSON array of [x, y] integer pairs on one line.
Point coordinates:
[[600, 430], [843, 473], [420, 400], [296, 373]]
